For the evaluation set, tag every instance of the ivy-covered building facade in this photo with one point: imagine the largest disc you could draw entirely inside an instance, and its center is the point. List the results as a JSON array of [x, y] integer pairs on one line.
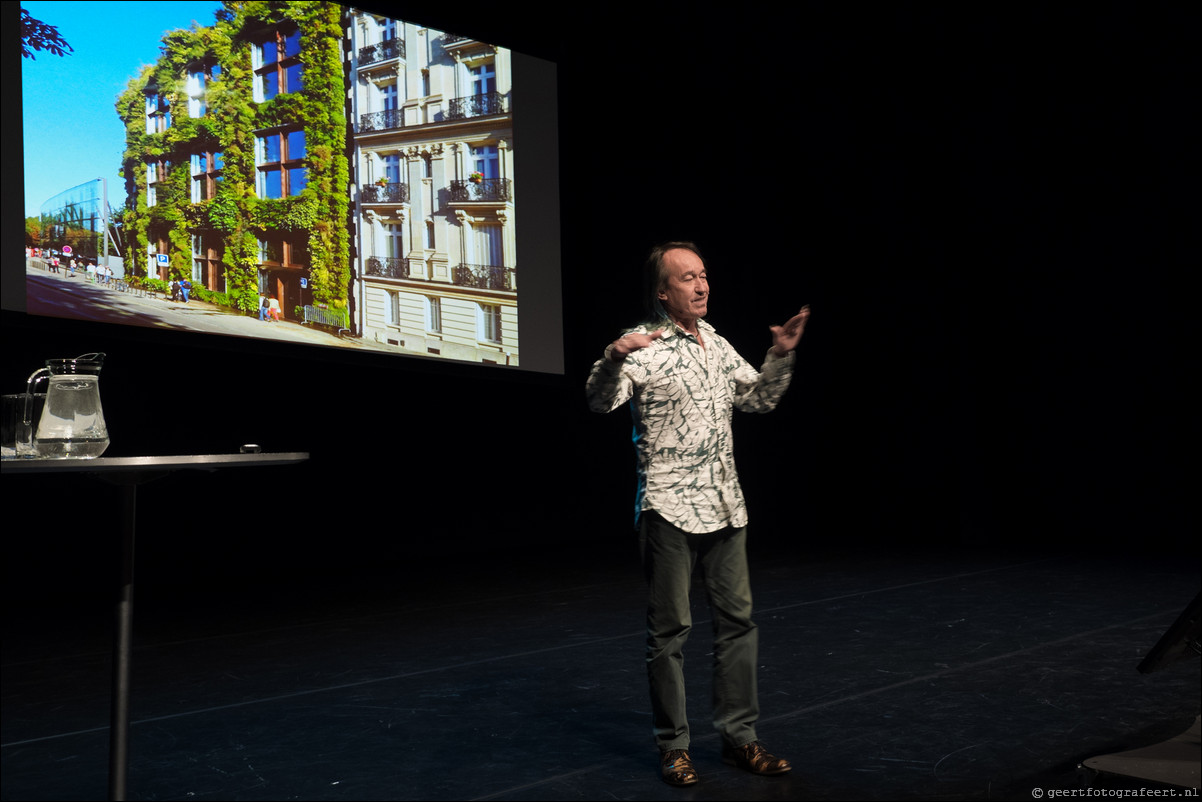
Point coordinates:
[[235, 165]]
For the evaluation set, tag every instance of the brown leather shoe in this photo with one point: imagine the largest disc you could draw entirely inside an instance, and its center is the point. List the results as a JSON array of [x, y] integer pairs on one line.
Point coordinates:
[[676, 767], [755, 758]]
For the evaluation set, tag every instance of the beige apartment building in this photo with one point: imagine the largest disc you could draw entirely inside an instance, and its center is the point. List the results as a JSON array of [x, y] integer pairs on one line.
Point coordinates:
[[433, 196]]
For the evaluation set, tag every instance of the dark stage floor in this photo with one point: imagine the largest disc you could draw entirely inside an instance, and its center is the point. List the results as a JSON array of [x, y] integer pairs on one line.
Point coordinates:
[[923, 676]]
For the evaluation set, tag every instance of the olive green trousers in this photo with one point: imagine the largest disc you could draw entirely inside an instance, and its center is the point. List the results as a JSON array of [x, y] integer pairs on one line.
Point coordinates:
[[670, 556]]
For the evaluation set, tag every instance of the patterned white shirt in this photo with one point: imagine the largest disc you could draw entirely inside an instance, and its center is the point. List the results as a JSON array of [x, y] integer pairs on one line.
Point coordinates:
[[681, 396]]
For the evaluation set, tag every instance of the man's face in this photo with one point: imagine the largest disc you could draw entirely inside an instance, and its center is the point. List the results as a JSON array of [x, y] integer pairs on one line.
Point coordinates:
[[686, 290]]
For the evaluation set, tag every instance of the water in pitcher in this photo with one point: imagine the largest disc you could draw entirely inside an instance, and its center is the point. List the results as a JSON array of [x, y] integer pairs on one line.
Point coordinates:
[[72, 421], [78, 447]]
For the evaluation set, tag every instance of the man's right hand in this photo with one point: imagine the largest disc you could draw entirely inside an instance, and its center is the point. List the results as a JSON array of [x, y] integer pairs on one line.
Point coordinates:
[[629, 343]]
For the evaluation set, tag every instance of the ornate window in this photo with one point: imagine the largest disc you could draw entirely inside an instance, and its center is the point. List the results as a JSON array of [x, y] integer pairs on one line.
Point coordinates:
[[483, 98], [484, 79], [392, 167], [486, 161], [394, 240], [487, 245]]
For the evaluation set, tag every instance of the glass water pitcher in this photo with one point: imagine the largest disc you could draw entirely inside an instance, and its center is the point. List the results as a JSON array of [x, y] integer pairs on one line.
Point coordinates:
[[72, 420]]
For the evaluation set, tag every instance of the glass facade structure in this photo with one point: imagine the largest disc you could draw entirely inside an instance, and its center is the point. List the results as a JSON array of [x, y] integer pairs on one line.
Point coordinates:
[[74, 221]]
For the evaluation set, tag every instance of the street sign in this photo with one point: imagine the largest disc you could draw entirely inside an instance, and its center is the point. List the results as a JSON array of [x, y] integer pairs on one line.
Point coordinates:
[[67, 250], [162, 259]]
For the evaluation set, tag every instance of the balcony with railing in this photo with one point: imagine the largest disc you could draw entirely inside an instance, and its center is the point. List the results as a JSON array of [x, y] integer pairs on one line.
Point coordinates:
[[381, 51], [388, 266], [484, 277], [381, 120], [487, 190], [391, 192], [482, 105]]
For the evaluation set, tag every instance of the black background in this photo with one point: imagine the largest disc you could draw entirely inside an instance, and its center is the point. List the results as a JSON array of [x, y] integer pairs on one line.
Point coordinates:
[[991, 208]]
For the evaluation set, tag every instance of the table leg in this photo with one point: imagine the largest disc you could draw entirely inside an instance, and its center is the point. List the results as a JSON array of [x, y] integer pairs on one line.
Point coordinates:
[[122, 648]]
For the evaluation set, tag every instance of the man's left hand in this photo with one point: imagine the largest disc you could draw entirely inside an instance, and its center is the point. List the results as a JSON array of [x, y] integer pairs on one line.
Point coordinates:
[[785, 338]]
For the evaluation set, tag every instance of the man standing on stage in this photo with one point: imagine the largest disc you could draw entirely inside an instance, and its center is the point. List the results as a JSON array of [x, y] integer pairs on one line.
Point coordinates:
[[683, 380]]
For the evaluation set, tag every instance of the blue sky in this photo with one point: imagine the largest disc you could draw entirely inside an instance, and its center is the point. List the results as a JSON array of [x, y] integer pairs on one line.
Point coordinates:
[[72, 132]]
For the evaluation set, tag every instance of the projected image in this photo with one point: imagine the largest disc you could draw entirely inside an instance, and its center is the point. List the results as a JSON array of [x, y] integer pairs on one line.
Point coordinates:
[[294, 171]]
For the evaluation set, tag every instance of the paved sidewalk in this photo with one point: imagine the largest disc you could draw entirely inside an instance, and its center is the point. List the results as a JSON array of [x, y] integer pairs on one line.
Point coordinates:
[[60, 295]]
